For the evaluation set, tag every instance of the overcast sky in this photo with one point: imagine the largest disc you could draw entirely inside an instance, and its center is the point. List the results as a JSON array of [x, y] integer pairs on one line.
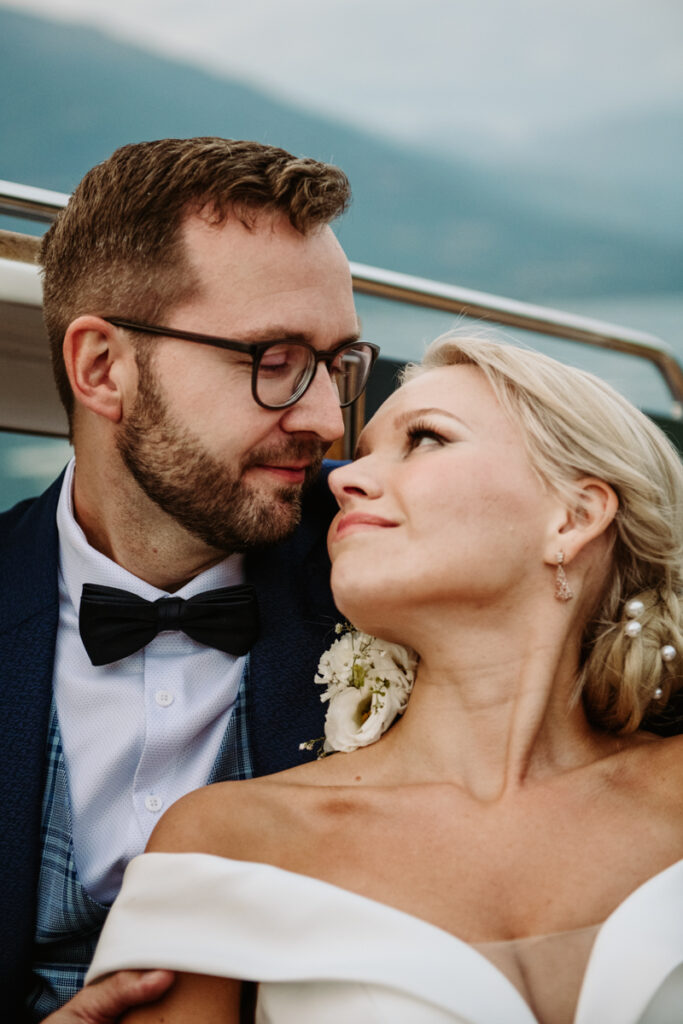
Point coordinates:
[[509, 70]]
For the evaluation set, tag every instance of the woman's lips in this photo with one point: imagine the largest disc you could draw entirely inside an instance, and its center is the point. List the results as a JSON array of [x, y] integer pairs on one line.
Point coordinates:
[[354, 522]]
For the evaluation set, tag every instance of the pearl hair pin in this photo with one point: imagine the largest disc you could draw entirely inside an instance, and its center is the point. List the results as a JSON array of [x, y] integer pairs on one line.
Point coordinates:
[[633, 628], [633, 609], [668, 654]]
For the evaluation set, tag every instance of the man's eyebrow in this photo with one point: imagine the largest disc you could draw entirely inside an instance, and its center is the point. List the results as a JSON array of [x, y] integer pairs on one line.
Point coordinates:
[[275, 333], [406, 417]]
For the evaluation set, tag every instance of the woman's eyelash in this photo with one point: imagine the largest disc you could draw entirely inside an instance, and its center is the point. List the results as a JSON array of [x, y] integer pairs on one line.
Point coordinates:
[[418, 431]]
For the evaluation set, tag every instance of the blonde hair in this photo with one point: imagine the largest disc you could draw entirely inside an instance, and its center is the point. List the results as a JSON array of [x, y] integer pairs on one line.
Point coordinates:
[[576, 425]]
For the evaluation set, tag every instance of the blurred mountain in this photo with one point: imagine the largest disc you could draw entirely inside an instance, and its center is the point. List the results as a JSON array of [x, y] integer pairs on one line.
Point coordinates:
[[71, 95], [621, 172]]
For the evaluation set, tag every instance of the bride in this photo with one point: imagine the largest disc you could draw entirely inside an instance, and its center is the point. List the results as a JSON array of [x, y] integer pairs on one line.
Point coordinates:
[[512, 850]]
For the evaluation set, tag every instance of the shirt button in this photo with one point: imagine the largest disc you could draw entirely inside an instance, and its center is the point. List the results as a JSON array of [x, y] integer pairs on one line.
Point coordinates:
[[163, 698], [153, 803]]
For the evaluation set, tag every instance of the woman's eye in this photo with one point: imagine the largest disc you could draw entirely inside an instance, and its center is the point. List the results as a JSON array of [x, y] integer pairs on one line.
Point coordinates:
[[422, 437]]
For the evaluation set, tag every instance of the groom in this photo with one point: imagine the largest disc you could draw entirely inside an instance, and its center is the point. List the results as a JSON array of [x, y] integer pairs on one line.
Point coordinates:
[[192, 290]]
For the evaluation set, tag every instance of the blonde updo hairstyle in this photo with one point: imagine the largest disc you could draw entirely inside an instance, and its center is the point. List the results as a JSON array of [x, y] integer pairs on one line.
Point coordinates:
[[576, 425]]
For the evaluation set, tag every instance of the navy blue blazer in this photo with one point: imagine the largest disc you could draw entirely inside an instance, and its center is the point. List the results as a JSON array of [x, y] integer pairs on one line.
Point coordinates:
[[284, 708]]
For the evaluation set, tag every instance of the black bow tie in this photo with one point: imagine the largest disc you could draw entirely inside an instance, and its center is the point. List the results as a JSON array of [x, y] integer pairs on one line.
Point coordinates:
[[114, 623]]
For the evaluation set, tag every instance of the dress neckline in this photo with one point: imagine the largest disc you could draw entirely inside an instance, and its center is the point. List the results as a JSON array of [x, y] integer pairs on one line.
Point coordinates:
[[618, 998], [675, 869], [267, 912], [547, 970], [540, 937]]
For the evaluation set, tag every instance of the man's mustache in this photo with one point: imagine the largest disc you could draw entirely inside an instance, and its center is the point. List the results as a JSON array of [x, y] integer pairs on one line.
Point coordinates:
[[293, 452]]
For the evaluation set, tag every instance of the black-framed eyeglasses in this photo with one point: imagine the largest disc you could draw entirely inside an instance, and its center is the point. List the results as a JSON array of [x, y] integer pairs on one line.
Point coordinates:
[[283, 370]]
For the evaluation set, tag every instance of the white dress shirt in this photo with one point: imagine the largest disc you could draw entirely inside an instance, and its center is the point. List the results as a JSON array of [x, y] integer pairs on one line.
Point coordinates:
[[141, 732]]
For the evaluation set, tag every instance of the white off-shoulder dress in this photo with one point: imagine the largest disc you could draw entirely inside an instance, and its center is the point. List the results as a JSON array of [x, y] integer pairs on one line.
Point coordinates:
[[323, 955]]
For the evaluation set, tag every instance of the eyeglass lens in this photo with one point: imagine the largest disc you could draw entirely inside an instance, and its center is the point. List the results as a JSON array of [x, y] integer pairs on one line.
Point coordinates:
[[285, 370]]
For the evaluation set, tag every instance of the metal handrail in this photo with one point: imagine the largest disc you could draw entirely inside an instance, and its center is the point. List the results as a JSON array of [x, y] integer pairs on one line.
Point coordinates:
[[43, 205], [39, 204], [419, 291]]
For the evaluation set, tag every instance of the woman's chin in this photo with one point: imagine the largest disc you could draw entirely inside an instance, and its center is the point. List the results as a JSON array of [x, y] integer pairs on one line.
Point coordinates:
[[369, 603]]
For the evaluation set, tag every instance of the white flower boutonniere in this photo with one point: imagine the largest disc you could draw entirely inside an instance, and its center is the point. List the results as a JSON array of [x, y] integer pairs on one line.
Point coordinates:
[[367, 684]]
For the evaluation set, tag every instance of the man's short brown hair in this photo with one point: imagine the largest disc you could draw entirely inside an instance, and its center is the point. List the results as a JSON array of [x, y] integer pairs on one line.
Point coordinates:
[[117, 249]]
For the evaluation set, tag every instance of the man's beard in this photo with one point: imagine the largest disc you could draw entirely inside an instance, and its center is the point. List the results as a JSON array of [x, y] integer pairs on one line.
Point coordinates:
[[210, 499]]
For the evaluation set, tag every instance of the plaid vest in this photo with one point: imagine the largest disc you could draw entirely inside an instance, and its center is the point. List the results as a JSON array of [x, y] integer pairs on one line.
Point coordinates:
[[69, 921]]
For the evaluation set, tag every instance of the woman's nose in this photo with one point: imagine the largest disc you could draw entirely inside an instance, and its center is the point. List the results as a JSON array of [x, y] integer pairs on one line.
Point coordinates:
[[356, 479]]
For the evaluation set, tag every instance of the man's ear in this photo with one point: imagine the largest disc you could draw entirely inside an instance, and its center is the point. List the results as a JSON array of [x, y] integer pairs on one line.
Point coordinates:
[[96, 359], [589, 517]]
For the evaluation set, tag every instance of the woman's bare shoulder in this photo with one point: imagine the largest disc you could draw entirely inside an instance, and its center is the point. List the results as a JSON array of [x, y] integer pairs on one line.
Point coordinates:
[[217, 819], [669, 751], [664, 747], [244, 820], [653, 769]]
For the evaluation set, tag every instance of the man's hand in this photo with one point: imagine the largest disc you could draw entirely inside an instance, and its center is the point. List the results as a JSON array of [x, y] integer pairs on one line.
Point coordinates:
[[105, 1001]]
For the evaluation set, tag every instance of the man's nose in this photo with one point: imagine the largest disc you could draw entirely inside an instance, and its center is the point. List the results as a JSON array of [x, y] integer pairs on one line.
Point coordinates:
[[318, 410]]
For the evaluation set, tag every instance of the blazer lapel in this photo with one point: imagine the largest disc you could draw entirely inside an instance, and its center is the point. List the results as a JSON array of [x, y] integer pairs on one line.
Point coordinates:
[[297, 623], [29, 608]]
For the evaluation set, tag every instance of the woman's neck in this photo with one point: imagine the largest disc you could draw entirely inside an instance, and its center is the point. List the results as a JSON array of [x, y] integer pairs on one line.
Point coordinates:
[[493, 706]]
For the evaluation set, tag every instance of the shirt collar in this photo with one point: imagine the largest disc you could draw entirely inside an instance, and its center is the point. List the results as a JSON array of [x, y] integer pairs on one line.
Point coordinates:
[[80, 563]]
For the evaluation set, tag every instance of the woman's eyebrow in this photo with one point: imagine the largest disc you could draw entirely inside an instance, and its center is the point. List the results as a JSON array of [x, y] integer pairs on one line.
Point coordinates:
[[411, 414]]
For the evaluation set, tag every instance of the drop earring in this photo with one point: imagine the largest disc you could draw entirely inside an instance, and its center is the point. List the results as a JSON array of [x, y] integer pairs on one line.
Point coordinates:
[[563, 592]]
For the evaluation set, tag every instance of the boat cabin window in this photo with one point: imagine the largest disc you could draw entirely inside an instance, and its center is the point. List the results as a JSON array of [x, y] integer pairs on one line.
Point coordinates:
[[28, 464]]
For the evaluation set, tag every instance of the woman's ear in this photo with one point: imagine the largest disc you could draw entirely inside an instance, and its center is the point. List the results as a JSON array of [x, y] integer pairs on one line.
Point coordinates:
[[96, 358], [590, 516]]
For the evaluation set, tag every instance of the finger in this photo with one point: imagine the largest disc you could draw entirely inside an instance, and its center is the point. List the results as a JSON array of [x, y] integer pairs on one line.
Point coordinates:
[[149, 985], [105, 1001], [125, 989]]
